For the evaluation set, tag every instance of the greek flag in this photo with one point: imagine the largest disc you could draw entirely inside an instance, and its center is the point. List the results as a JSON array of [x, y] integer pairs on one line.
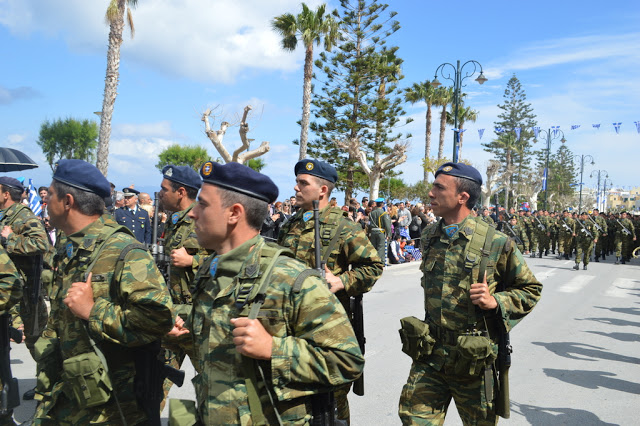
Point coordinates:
[[617, 127], [499, 130], [555, 130], [34, 200], [575, 126], [597, 126], [536, 131], [637, 123], [544, 179], [518, 130], [481, 132]]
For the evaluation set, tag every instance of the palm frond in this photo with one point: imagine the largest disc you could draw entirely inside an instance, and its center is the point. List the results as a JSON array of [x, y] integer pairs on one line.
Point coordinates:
[[112, 11], [130, 22]]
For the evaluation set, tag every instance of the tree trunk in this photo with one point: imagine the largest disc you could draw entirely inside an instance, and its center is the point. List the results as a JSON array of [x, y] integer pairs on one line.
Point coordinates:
[[116, 28], [443, 127], [427, 144], [507, 184], [306, 101]]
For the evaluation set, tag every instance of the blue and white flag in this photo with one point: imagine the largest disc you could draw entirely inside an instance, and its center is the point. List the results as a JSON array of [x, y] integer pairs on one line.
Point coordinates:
[[597, 126], [499, 130], [518, 130], [617, 127], [481, 132], [575, 126], [637, 123], [536, 131], [544, 179], [34, 200], [555, 130]]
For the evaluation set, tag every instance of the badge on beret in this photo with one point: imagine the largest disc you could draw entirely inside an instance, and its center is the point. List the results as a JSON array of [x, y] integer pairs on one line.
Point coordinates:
[[450, 230], [306, 216], [174, 218], [207, 168], [309, 166], [169, 172], [213, 267], [447, 169], [69, 250]]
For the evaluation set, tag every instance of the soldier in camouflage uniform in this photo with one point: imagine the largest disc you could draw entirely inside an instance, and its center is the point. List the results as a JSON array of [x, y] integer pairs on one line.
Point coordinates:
[[586, 235], [25, 239], [458, 305], [625, 236], [486, 217], [106, 290], [10, 295], [553, 229], [517, 233], [352, 263], [601, 244], [264, 327], [179, 189], [379, 228], [567, 227]]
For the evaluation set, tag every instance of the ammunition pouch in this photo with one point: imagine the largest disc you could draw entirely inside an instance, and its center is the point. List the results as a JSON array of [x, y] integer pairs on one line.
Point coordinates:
[[47, 356], [182, 412], [473, 352], [416, 341], [86, 380]]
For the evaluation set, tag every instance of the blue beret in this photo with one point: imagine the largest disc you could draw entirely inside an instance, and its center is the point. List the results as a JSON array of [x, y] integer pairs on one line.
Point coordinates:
[[11, 182], [316, 168], [379, 200], [460, 170], [82, 175], [239, 178], [183, 175], [129, 192]]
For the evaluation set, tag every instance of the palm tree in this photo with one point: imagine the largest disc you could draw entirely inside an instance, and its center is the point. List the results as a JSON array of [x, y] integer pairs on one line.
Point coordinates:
[[423, 92], [465, 114], [115, 18], [311, 27], [442, 97]]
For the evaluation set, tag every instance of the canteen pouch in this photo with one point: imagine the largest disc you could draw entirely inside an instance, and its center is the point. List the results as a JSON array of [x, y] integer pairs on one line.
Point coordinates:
[[416, 341], [473, 353], [182, 412], [86, 380]]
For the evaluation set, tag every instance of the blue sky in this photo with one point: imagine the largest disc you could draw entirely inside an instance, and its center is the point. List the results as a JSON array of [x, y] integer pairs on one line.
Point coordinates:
[[578, 62]]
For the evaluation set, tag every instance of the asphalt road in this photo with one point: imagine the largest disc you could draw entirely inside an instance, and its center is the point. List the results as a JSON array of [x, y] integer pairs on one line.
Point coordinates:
[[576, 356]]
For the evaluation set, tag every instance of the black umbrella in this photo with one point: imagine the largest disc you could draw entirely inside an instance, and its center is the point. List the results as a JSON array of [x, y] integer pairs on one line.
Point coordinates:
[[12, 160]]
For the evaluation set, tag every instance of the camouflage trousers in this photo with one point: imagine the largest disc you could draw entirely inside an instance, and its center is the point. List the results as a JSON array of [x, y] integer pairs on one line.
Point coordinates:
[[624, 246], [540, 242], [342, 403], [601, 245], [553, 240], [427, 394], [584, 249], [565, 241]]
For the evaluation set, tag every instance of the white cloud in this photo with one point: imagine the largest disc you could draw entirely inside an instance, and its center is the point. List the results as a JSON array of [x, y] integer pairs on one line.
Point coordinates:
[[205, 40], [14, 139], [159, 129]]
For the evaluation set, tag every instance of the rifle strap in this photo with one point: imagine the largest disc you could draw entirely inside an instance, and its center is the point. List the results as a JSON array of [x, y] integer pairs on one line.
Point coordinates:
[[334, 240], [479, 247]]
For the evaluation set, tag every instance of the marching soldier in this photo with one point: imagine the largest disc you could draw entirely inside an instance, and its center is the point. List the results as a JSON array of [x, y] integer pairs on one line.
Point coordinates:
[[133, 217], [587, 235], [567, 228], [601, 244], [379, 228], [625, 236], [517, 233], [352, 263]]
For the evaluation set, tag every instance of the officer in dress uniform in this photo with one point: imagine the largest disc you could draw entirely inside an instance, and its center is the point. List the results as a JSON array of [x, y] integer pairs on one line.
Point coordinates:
[[133, 217]]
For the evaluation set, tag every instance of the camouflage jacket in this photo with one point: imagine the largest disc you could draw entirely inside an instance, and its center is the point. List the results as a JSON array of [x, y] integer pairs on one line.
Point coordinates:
[[131, 309], [10, 282], [602, 223], [570, 227], [180, 233], [28, 239], [584, 228], [627, 224], [446, 283], [353, 249], [516, 232], [314, 348]]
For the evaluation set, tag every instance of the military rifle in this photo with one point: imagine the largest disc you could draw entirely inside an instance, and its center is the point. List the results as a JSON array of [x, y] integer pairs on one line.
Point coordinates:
[[518, 240], [35, 287], [540, 225], [595, 223], [504, 363], [625, 231], [565, 225], [585, 230], [10, 394]]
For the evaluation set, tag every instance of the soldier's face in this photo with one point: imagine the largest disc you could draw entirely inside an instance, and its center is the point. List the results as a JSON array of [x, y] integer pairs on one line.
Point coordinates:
[[56, 208], [307, 190], [210, 218], [168, 196], [444, 195]]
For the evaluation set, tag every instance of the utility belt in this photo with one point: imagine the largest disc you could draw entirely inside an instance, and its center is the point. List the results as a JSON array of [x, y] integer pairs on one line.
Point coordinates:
[[376, 229]]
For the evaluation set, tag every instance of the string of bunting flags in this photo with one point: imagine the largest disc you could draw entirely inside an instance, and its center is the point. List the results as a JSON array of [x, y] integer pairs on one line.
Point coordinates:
[[554, 129]]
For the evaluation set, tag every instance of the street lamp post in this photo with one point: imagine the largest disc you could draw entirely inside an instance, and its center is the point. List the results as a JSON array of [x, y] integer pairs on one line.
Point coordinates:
[[550, 137], [582, 158], [458, 78], [604, 193], [598, 172]]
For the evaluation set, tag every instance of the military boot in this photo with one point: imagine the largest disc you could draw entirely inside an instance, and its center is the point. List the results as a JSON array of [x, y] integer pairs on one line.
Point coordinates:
[[533, 254], [540, 255], [617, 260], [585, 267], [566, 256], [603, 258], [576, 266], [597, 259]]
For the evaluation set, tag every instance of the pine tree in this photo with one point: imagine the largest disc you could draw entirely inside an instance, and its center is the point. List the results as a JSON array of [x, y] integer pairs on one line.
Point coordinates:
[[513, 152], [359, 99], [562, 173]]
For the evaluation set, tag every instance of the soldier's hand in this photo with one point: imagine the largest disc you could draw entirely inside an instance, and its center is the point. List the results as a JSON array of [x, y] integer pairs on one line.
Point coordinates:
[[6, 231], [178, 328], [595, 241], [480, 295], [180, 258], [251, 339], [335, 283], [79, 298]]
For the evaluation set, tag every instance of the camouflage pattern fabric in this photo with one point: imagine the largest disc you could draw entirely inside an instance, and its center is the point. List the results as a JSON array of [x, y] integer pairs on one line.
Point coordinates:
[[446, 283], [29, 239], [353, 259], [566, 235], [10, 282], [584, 243], [623, 242], [520, 234], [314, 348], [602, 240], [135, 310]]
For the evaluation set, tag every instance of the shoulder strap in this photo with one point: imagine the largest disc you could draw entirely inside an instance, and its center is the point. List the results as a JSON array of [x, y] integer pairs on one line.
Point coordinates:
[[334, 240], [478, 247], [297, 284]]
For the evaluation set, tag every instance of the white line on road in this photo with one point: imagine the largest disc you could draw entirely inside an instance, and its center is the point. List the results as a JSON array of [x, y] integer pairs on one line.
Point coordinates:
[[575, 284], [546, 274], [620, 287]]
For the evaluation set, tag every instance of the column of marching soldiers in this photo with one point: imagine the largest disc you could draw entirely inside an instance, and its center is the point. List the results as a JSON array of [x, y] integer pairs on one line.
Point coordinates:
[[274, 331]]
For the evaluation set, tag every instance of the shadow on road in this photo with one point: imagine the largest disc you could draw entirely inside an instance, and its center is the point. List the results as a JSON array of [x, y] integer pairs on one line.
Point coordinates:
[[558, 416], [584, 352], [630, 311], [592, 380], [611, 321], [26, 409], [623, 337]]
